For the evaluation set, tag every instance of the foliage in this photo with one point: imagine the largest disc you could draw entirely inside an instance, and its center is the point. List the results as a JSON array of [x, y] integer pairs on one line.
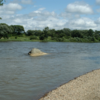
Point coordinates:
[[30, 32], [62, 35], [45, 32], [67, 31], [15, 37], [5, 30], [76, 33], [42, 37], [1, 2], [33, 37], [17, 29], [90, 32]]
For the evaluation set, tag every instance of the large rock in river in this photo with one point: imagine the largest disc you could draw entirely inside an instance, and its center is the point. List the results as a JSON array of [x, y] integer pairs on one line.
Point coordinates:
[[36, 52]]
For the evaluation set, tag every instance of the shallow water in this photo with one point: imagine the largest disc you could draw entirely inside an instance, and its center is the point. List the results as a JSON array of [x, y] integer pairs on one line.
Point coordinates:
[[27, 78]]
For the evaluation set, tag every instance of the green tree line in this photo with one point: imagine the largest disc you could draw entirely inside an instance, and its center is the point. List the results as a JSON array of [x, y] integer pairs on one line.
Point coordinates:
[[46, 34], [7, 31], [65, 34]]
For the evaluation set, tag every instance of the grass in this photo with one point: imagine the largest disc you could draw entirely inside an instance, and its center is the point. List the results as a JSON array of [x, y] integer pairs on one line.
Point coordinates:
[[25, 38], [49, 39]]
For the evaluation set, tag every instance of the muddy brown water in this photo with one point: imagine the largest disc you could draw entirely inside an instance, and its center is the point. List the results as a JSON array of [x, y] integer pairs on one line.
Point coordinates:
[[28, 78]]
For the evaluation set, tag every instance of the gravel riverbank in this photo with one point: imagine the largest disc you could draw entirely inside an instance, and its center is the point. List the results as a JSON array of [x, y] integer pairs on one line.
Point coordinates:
[[85, 87]]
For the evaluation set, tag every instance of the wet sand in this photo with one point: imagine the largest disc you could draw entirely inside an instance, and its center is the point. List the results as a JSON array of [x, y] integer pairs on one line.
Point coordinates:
[[85, 87]]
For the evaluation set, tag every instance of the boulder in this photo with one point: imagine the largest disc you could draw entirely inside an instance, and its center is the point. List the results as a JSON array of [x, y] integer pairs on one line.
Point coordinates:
[[36, 52]]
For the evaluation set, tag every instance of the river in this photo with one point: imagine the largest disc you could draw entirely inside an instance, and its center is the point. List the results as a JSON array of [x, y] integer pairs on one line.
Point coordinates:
[[28, 78]]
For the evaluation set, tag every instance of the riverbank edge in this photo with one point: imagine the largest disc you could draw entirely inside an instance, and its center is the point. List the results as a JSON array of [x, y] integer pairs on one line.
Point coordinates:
[[46, 41], [74, 79]]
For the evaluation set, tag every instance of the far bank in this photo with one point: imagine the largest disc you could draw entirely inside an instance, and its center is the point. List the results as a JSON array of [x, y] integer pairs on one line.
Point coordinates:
[[49, 39]]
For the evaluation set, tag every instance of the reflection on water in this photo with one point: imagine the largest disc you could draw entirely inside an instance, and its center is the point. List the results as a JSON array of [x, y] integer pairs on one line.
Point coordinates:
[[27, 78]]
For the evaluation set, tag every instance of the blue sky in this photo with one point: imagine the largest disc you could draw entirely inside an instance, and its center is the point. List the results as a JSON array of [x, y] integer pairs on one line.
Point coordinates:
[[56, 14]]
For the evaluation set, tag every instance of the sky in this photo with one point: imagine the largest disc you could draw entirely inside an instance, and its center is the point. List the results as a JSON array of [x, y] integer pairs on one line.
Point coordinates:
[[55, 14]]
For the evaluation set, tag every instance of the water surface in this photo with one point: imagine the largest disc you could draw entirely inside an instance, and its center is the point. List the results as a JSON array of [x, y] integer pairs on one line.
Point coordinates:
[[27, 78]]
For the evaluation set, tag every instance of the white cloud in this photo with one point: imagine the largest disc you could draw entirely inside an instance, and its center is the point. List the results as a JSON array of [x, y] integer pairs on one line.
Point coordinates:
[[9, 8], [40, 9], [37, 19], [41, 18], [98, 10], [15, 1], [69, 15], [66, 15], [98, 24], [97, 21], [23, 1], [26, 1], [81, 23], [77, 16], [12, 6], [79, 7], [41, 13], [17, 20], [98, 2]]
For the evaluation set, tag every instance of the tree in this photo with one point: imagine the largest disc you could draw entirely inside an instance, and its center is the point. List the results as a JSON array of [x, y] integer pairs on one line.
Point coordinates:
[[17, 29], [5, 30], [60, 33], [76, 33], [42, 37], [90, 32], [45, 32], [84, 33], [30, 32], [97, 34], [67, 31], [38, 32], [1, 4], [52, 32]]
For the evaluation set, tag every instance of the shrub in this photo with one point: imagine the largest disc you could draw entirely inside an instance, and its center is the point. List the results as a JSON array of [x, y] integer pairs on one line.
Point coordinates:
[[15, 37], [33, 37], [42, 37]]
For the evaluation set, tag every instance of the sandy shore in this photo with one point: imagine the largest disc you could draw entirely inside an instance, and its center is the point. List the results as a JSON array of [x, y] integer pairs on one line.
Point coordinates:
[[85, 87]]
